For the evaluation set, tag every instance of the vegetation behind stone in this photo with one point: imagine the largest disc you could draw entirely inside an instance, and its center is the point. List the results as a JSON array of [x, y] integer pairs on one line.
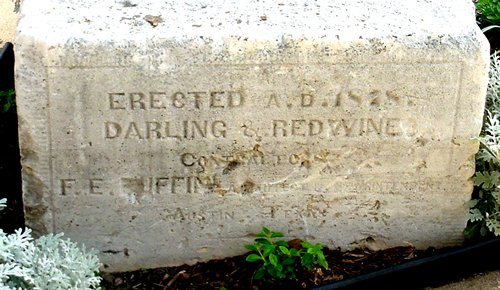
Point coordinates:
[[484, 214]]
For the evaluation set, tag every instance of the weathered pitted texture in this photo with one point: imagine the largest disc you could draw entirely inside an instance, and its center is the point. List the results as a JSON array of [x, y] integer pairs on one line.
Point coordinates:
[[164, 132]]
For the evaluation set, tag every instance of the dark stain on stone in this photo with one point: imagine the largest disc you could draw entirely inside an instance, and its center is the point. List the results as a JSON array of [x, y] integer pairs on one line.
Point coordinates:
[[34, 208], [134, 185], [34, 219], [247, 187], [230, 166], [26, 143]]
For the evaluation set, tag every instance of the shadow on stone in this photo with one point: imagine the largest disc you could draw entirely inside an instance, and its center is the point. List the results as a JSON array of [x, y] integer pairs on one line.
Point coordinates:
[[12, 217]]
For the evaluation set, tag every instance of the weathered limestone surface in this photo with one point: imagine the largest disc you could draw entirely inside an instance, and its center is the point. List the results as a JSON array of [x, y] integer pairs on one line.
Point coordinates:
[[164, 132]]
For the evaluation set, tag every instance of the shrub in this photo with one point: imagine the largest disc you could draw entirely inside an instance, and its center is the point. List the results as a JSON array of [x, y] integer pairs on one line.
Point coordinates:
[[484, 213], [48, 262], [488, 11]]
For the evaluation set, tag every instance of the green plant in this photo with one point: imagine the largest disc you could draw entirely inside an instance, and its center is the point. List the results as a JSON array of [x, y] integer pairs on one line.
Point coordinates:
[[488, 11], [484, 209], [279, 260], [7, 99], [48, 262]]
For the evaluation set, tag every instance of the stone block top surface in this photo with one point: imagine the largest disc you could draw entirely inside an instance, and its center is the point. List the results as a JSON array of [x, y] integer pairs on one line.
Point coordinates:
[[58, 20]]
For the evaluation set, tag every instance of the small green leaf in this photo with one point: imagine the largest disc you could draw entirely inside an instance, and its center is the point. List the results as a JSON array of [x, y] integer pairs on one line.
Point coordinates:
[[306, 245], [273, 273], [294, 253], [277, 235], [314, 249], [262, 241], [282, 244], [250, 247], [268, 249], [279, 267], [253, 258], [322, 260], [323, 263], [260, 235], [307, 261], [273, 259], [284, 250], [259, 274]]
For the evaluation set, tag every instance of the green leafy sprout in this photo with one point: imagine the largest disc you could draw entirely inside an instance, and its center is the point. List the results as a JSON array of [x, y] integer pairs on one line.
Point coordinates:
[[278, 260]]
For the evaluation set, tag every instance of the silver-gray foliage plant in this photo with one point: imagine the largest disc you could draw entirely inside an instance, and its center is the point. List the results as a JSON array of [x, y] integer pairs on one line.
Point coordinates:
[[48, 262], [484, 213]]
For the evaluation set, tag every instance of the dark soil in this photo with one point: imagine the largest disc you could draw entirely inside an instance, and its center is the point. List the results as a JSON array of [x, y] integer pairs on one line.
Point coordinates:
[[230, 273]]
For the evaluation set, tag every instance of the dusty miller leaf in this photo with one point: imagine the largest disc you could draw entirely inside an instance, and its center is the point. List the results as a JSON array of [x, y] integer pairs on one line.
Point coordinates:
[[493, 226], [474, 215], [486, 179], [471, 203]]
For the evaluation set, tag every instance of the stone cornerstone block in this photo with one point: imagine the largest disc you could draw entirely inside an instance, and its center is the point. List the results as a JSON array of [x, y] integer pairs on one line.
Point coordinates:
[[164, 132]]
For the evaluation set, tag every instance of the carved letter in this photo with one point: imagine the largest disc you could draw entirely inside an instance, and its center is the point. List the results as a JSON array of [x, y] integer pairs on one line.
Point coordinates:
[[155, 101], [188, 159], [348, 127], [168, 131], [197, 97], [296, 126], [281, 124], [334, 127], [153, 127], [273, 99], [161, 182], [201, 131], [219, 129], [114, 102], [93, 186], [178, 100], [215, 101], [306, 100], [235, 99], [66, 184], [133, 131], [315, 127], [371, 123], [112, 130], [137, 99]]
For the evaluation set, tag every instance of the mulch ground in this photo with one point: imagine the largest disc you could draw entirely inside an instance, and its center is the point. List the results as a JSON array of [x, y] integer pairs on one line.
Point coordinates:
[[236, 273]]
